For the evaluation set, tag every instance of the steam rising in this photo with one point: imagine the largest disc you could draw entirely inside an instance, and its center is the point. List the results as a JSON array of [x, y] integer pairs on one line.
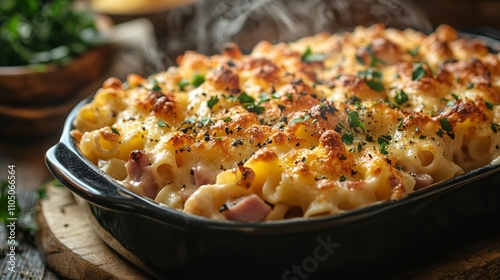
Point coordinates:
[[208, 24]]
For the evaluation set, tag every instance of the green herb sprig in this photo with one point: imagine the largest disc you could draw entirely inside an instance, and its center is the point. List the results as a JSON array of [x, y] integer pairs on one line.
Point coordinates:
[[248, 102], [446, 126], [372, 79], [383, 141], [374, 60], [401, 97], [418, 72], [34, 32], [309, 57]]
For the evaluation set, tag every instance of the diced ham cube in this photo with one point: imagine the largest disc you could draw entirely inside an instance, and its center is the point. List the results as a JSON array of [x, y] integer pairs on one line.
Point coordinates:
[[140, 178], [422, 180], [249, 208], [203, 175]]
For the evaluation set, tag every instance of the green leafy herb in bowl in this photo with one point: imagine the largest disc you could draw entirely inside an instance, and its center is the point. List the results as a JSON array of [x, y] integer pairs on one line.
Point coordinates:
[[38, 32], [50, 50]]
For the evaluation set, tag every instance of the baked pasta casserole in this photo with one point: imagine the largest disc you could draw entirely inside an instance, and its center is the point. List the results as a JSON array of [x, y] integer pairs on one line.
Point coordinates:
[[315, 127]]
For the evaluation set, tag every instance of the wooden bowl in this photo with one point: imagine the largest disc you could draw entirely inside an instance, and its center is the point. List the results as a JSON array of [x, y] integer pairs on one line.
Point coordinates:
[[34, 103], [23, 85]]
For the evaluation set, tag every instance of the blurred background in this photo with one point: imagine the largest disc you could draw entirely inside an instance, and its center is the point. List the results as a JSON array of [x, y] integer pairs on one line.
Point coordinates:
[[462, 13], [204, 25], [212, 20]]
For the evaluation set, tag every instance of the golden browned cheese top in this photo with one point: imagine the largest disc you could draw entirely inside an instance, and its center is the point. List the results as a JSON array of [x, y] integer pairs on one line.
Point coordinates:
[[314, 127]]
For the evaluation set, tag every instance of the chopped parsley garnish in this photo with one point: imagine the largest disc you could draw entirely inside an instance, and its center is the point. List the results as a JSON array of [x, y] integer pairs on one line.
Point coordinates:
[[360, 59], [375, 85], [400, 125], [418, 72], [369, 73], [413, 52], [347, 138], [254, 108], [374, 60], [295, 120], [470, 85], [227, 119], [212, 101], [265, 97], [343, 157], [248, 103], [446, 126], [197, 80], [383, 141], [488, 105], [449, 103], [162, 123], [310, 57], [354, 100], [153, 84], [360, 147], [342, 178], [372, 79], [495, 127], [401, 97], [189, 120], [183, 83], [306, 54], [245, 98], [354, 121], [114, 130], [440, 132], [205, 121]]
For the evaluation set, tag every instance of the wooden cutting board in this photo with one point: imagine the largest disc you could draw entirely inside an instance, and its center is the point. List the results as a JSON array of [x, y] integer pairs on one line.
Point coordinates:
[[69, 245], [73, 251]]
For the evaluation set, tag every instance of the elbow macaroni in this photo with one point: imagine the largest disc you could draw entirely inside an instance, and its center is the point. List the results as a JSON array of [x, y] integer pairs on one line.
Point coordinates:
[[315, 127]]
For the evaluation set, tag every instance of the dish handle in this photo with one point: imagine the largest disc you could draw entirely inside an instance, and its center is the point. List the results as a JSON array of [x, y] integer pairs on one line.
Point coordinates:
[[91, 183]]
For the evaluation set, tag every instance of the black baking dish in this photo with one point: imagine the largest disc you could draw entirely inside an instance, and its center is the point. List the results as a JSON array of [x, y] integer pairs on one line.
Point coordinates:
[[372, 242]]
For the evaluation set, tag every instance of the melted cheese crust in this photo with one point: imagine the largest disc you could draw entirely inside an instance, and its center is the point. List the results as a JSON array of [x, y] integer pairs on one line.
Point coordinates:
[[315, 127]]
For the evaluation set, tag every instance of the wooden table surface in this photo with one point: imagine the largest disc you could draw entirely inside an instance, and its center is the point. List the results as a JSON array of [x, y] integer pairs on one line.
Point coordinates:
[[476, 259]]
